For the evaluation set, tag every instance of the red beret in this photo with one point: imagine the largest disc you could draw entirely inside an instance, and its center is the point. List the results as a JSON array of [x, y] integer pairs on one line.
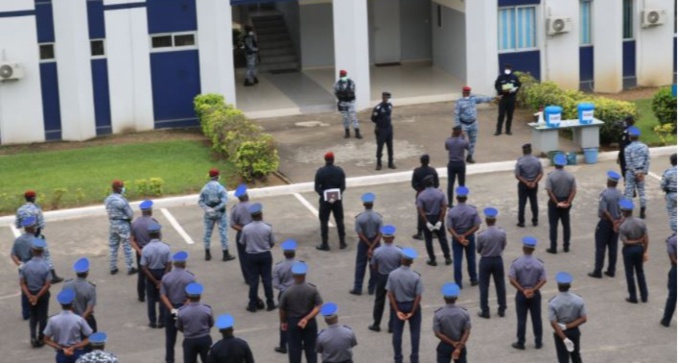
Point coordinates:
[[329, 155], [342, 72], [117, 183], [466, 89], [29, 194], [214, 172]]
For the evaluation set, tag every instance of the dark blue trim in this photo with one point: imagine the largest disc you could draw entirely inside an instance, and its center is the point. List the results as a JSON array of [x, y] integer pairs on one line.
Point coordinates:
[[178, 123], [517, 2], [528, 61], [51, 110], [102, 103], [45, 22], [586, 63], [674, 54], [95, 19], [170, 16], [629, 58], [125, 6], [16, 14], [175, 81]]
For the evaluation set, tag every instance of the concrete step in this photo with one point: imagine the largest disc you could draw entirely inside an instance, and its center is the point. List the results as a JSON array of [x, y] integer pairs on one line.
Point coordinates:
[[275, 44], [278, 59], [263, 23], [263, 38], [272, 30], [270, 52], [278, 66]]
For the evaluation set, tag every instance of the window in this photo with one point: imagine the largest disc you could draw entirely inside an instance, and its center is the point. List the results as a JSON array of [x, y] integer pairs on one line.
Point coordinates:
[[585, 22], [180, 41], [439, 15], [47, 52], [517, 28], [164, 41], [184, 40], [97, 49], [628, 19]]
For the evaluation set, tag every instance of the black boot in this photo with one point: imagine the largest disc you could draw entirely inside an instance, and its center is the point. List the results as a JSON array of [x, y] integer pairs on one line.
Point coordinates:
[[227, 256], [347, 133], [391, 165], [642, 212], [342, 244], [55, 278], [357, 134], [378, 165], [208, 255], [323, 247], [256, 80]]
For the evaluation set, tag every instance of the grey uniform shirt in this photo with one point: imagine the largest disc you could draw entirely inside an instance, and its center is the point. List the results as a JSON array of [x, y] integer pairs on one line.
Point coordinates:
[[67, 328], [387, 258], [195, 319], [491, 242], [528, 167], [36, 273], [561, 183], [631, 229], [140, 230], [368, 223], [240, 214], [463, 217], [282, 274], [405, 284], [22, 247], [451, 321], [609, 201], [155, 255], [173, 285], [85, 294], [431, 200], [456, 147], [299, 299], [335, 342], [257, 237], [566, 307], [527, 270]]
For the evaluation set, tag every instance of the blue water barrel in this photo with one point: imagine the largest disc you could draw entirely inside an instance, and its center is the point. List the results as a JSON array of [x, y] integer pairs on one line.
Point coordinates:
[[586, 113], [552, 115], [591, 155]]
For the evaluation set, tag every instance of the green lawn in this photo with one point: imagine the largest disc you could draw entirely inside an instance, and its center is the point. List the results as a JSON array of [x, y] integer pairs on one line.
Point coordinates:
[[646, 122], [86, 173]]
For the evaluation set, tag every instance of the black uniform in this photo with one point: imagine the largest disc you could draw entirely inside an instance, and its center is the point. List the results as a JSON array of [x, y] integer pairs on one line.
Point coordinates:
[[330, 177], [507, 104], [381, 116], [230, 350], [418, 185], [624, 141]]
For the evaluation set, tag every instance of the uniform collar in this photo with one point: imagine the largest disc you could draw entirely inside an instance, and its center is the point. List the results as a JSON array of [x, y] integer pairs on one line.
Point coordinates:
[[154, 240], [404, 267]]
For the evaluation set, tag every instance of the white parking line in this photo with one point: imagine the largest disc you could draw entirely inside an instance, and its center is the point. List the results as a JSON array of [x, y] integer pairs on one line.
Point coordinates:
[[309, 206], [177, 226], [654, 175], [15, 231]]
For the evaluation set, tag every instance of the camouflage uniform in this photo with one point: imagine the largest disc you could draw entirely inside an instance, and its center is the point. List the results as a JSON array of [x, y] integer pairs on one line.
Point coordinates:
[[119, 215], [213, 200], [465, 114], [637, 157], [33, 210], [669, 186]]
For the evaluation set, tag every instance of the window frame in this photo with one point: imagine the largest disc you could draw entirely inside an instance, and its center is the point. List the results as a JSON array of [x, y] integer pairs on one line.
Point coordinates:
[[47, 60], [590, 21], [631, 25], [103, 43], [173, 47], [536, 37]]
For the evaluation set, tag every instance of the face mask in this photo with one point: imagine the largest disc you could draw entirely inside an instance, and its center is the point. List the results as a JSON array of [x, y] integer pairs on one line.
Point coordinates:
[[251, 33], [344, 79], [122, 191], [507, 71], [388, 101], [466, 97]]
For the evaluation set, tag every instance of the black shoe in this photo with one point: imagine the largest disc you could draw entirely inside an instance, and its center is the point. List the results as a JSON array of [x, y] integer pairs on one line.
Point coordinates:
[[509, 133], [281, 350], [227, 256], [632, 301], [114, 271], [566, 249], [521, 225], [347, 133], [418, 236], [271, 307], [390, 330], [643, 299], [152, 325], [370, 292], [518, 346], [248, 84], [432, 263], [470, 160], [322, 247], [55, 278], [260, 304], [355, 292], [208, 255], [374, 328], [535, 223], [342, 245], [251, 309], [642, 212], [141, 299], [608, 273], [357, 134], [474, 283], [40, 343], [256, 80], [551, 250], [161, 326], [378, 167], [448, 261], [595, 275], [501, 313], [497, 134], [34, 343], [665, 323], [132, 271], [538, 345], [392, 166], [484, 315]]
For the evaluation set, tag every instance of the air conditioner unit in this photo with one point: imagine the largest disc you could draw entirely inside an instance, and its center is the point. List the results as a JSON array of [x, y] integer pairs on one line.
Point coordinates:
[[558, 25], [652, 17], [11, 71]]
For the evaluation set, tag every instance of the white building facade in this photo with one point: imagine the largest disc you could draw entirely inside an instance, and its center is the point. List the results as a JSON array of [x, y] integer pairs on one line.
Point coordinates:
[[83, 68]]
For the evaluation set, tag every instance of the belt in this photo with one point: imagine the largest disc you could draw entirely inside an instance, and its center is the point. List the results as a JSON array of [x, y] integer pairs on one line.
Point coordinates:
[[633, 244], [467, 122]]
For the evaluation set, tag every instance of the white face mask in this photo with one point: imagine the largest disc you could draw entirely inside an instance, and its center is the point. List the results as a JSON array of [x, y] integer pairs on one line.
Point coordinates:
[[466, 97], [123, 190], [251, 33], [344, 78], [507, 71]]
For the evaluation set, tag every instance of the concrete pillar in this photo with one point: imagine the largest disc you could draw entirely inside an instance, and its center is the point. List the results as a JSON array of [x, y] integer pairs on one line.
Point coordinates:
[[216, 48], [482, 61], [606, 29], [351, 48], [74, 69], [654, 46], [561, 51]]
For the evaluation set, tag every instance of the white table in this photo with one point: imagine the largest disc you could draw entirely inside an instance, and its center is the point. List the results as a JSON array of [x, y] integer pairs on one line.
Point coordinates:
[[545, 138]]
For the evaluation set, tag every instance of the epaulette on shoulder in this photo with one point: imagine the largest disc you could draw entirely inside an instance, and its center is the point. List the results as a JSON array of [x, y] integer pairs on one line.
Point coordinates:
[[416, 272], [438, 309], [67, 281], [540, 260], [91, 283], [321, 331], [209, 306], [347, 327], [311, 284]]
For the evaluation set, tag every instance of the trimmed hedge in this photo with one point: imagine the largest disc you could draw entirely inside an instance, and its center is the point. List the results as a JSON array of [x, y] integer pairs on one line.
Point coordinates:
[[664, 107]]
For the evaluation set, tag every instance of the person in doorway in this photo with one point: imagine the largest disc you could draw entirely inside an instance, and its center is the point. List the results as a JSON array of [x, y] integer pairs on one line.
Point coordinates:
[[507, 86], [344, 91], [251, 56]]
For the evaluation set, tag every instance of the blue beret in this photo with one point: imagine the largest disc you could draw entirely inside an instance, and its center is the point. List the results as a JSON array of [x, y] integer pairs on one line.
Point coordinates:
[[240, 190], [146, 205], [66, 296], [560, 160], [98, 338], [29, 221], [530, 241], [224, 321], [256, 208], [180, 256], [462, 191], [626, 204], [563, 278], [388, 230], [194, 289], [410, 253], [613, 175], [634, 131], [81, 265], [329, 309], [289, 245], [154, 227], [491, 212], [39, 243], [450, 289], [368, 198], [299, 268]]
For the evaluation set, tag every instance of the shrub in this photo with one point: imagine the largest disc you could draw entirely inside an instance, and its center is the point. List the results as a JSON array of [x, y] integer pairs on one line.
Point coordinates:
[[156, 186], [79, 196], [57, 196], [665, 133], [141, 187], [664, 107], [610, 111], [257, 158], [527, 82]]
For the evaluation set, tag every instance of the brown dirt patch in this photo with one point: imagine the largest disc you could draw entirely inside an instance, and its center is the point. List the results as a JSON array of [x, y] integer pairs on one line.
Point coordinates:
[[633, 94]]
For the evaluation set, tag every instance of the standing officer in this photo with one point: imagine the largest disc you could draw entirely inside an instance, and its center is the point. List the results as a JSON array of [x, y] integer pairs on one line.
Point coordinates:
[[669, 187], [336, 342], [456, 166], [21, 253], [299, 305], [465, 115], [156, 261], [85, 292], [213, 200], [404, 288], [240, 217], [140, 238], [670, 306], [229, 349], [624, 141], [431, 204], [462, 223], [637, 157], [507, 85], [251, 56], [98, 341], [120, 215], [327, 178], [561, 188], [344, 91], [491, 245], [385, 259], [527, 275], [452, 325], [566, 313], [418, 176], [606, 231], [282, 279], [368, 227], [67, 332], [195, 320], [258, 239], [633, 234], [381, 116], [35, 281], [528, 172], [173, 296]]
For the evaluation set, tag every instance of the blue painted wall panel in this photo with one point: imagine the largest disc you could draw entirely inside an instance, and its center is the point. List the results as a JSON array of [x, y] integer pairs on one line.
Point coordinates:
[[522, 61], [95, 19], [51, 110], [45, 21], [167, 16], [629, 58], [102, 105], [518, 2], [175, 78], [674, 54], [585, 63]]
